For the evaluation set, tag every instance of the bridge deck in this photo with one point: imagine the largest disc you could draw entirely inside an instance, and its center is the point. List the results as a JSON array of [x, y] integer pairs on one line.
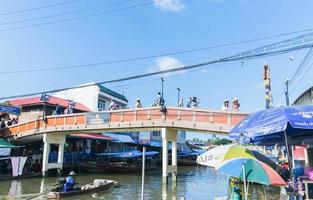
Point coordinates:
[[130, 120]]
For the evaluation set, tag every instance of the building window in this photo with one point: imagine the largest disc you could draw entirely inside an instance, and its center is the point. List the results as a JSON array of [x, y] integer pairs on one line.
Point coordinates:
[[101, 105], [156, 133]]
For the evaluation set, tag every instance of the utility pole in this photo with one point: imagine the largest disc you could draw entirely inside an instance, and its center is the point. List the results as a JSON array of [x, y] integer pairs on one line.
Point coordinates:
[[267, 85], [287, 91]]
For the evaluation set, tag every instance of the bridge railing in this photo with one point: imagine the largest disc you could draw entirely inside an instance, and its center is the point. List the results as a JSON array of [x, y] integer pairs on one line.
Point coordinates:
[[128, 115]]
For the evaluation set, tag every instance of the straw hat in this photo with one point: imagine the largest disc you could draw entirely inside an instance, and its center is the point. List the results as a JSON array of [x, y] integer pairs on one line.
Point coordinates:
[[72, 173]]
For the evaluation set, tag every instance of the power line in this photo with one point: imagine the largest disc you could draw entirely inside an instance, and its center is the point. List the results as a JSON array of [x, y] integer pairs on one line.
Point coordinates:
[[60, 14], [302, 65], [302, 78], [304, 62], [242, 56], [153, 56], [38, 8], [79, 17]]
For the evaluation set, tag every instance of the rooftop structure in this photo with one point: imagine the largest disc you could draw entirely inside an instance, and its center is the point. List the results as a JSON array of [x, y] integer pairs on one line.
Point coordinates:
[[95, 96], [306, 98]]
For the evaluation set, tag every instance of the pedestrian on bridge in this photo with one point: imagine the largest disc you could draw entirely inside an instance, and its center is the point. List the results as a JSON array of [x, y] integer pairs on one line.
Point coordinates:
[[159, 100], [195, 102], [225, 106], [138, 103], [189, 104], [181, 102], [58, 110], [112, 105], [236, 104]]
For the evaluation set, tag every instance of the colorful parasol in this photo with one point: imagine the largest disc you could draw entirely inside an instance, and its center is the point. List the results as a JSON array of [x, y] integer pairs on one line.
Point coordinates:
[[251, 170]]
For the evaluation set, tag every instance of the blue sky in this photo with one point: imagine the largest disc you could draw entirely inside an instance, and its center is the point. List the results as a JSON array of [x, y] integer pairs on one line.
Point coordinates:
[[160, 27]]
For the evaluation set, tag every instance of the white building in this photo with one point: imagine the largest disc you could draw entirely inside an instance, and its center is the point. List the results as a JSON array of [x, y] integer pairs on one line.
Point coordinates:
[[95, 96]]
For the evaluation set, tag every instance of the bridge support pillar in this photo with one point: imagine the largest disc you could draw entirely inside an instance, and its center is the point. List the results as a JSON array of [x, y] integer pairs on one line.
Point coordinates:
[[55, 139], [169, 135]]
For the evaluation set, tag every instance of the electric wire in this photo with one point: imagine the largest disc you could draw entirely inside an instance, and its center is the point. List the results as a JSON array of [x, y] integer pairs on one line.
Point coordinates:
[[242, 56], [79, 17], [38, 8], [29, 69], [60, 14], [303, 64]]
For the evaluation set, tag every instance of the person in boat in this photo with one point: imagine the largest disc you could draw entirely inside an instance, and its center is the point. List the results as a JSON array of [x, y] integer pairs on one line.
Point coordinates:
[[70, 182]]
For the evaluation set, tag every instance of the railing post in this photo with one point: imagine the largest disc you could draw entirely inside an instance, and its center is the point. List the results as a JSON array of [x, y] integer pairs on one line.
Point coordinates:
[[178, 115], [75, 120], [229, 118], [122, 116], [211, 117], [135, 115], [148, 114]]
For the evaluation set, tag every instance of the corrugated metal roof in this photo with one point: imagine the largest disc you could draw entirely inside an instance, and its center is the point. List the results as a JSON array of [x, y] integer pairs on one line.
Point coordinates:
[[112, 93], [52, 100]]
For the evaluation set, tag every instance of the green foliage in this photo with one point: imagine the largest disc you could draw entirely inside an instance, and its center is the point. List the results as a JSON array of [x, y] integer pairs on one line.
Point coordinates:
[[222, 141]]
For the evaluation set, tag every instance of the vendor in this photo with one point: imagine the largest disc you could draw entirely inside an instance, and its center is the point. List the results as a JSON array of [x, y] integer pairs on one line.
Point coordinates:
[[70, 182], [236, 192]]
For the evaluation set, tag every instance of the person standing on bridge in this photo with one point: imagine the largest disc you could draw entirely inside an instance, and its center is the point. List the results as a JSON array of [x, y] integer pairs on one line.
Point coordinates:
[[225, 106], [112, 105], [195, 102], [181, 102], [159, 100], [189, 102], [138, 103], [236, 104], [58, 110]]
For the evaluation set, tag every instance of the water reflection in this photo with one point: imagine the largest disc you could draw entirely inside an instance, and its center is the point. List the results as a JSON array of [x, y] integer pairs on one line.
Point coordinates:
[[192, 183]]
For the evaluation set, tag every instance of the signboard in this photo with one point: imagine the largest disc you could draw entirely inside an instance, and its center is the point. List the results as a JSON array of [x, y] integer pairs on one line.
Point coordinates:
[[10, 110], [144, 137]]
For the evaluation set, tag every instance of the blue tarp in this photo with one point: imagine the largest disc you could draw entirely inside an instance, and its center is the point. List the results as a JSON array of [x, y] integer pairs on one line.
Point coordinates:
[[135, 153], [155, 143], [10, 110], [268, 126], [120, 137]]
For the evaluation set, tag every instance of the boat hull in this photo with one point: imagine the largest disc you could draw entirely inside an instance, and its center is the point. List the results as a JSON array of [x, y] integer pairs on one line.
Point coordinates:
[[58, 195]]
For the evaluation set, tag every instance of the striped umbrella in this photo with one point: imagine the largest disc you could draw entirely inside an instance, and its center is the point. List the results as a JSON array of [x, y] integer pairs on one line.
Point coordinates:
[[251, 170], [221, 153]]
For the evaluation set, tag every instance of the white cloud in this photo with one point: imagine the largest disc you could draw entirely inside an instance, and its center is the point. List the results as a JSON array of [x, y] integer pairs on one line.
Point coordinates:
[[172, 5], [167, 62], [204, 71]]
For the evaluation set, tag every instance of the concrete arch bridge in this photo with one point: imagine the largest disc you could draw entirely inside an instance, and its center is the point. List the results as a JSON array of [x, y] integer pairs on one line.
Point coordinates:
[[54, 129]]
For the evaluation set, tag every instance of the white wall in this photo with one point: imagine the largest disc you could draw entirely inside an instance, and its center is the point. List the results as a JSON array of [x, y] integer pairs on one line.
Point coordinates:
[[86, 95]]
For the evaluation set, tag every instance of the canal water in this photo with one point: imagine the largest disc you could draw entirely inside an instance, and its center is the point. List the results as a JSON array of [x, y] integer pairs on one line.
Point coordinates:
[[192, 183]]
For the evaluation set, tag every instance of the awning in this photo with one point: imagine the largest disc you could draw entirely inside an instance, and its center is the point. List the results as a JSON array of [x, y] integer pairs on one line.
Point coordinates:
[[136, 153], [10, 109], [91, 136], [154, 143], [5, 144], [120, 137]]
